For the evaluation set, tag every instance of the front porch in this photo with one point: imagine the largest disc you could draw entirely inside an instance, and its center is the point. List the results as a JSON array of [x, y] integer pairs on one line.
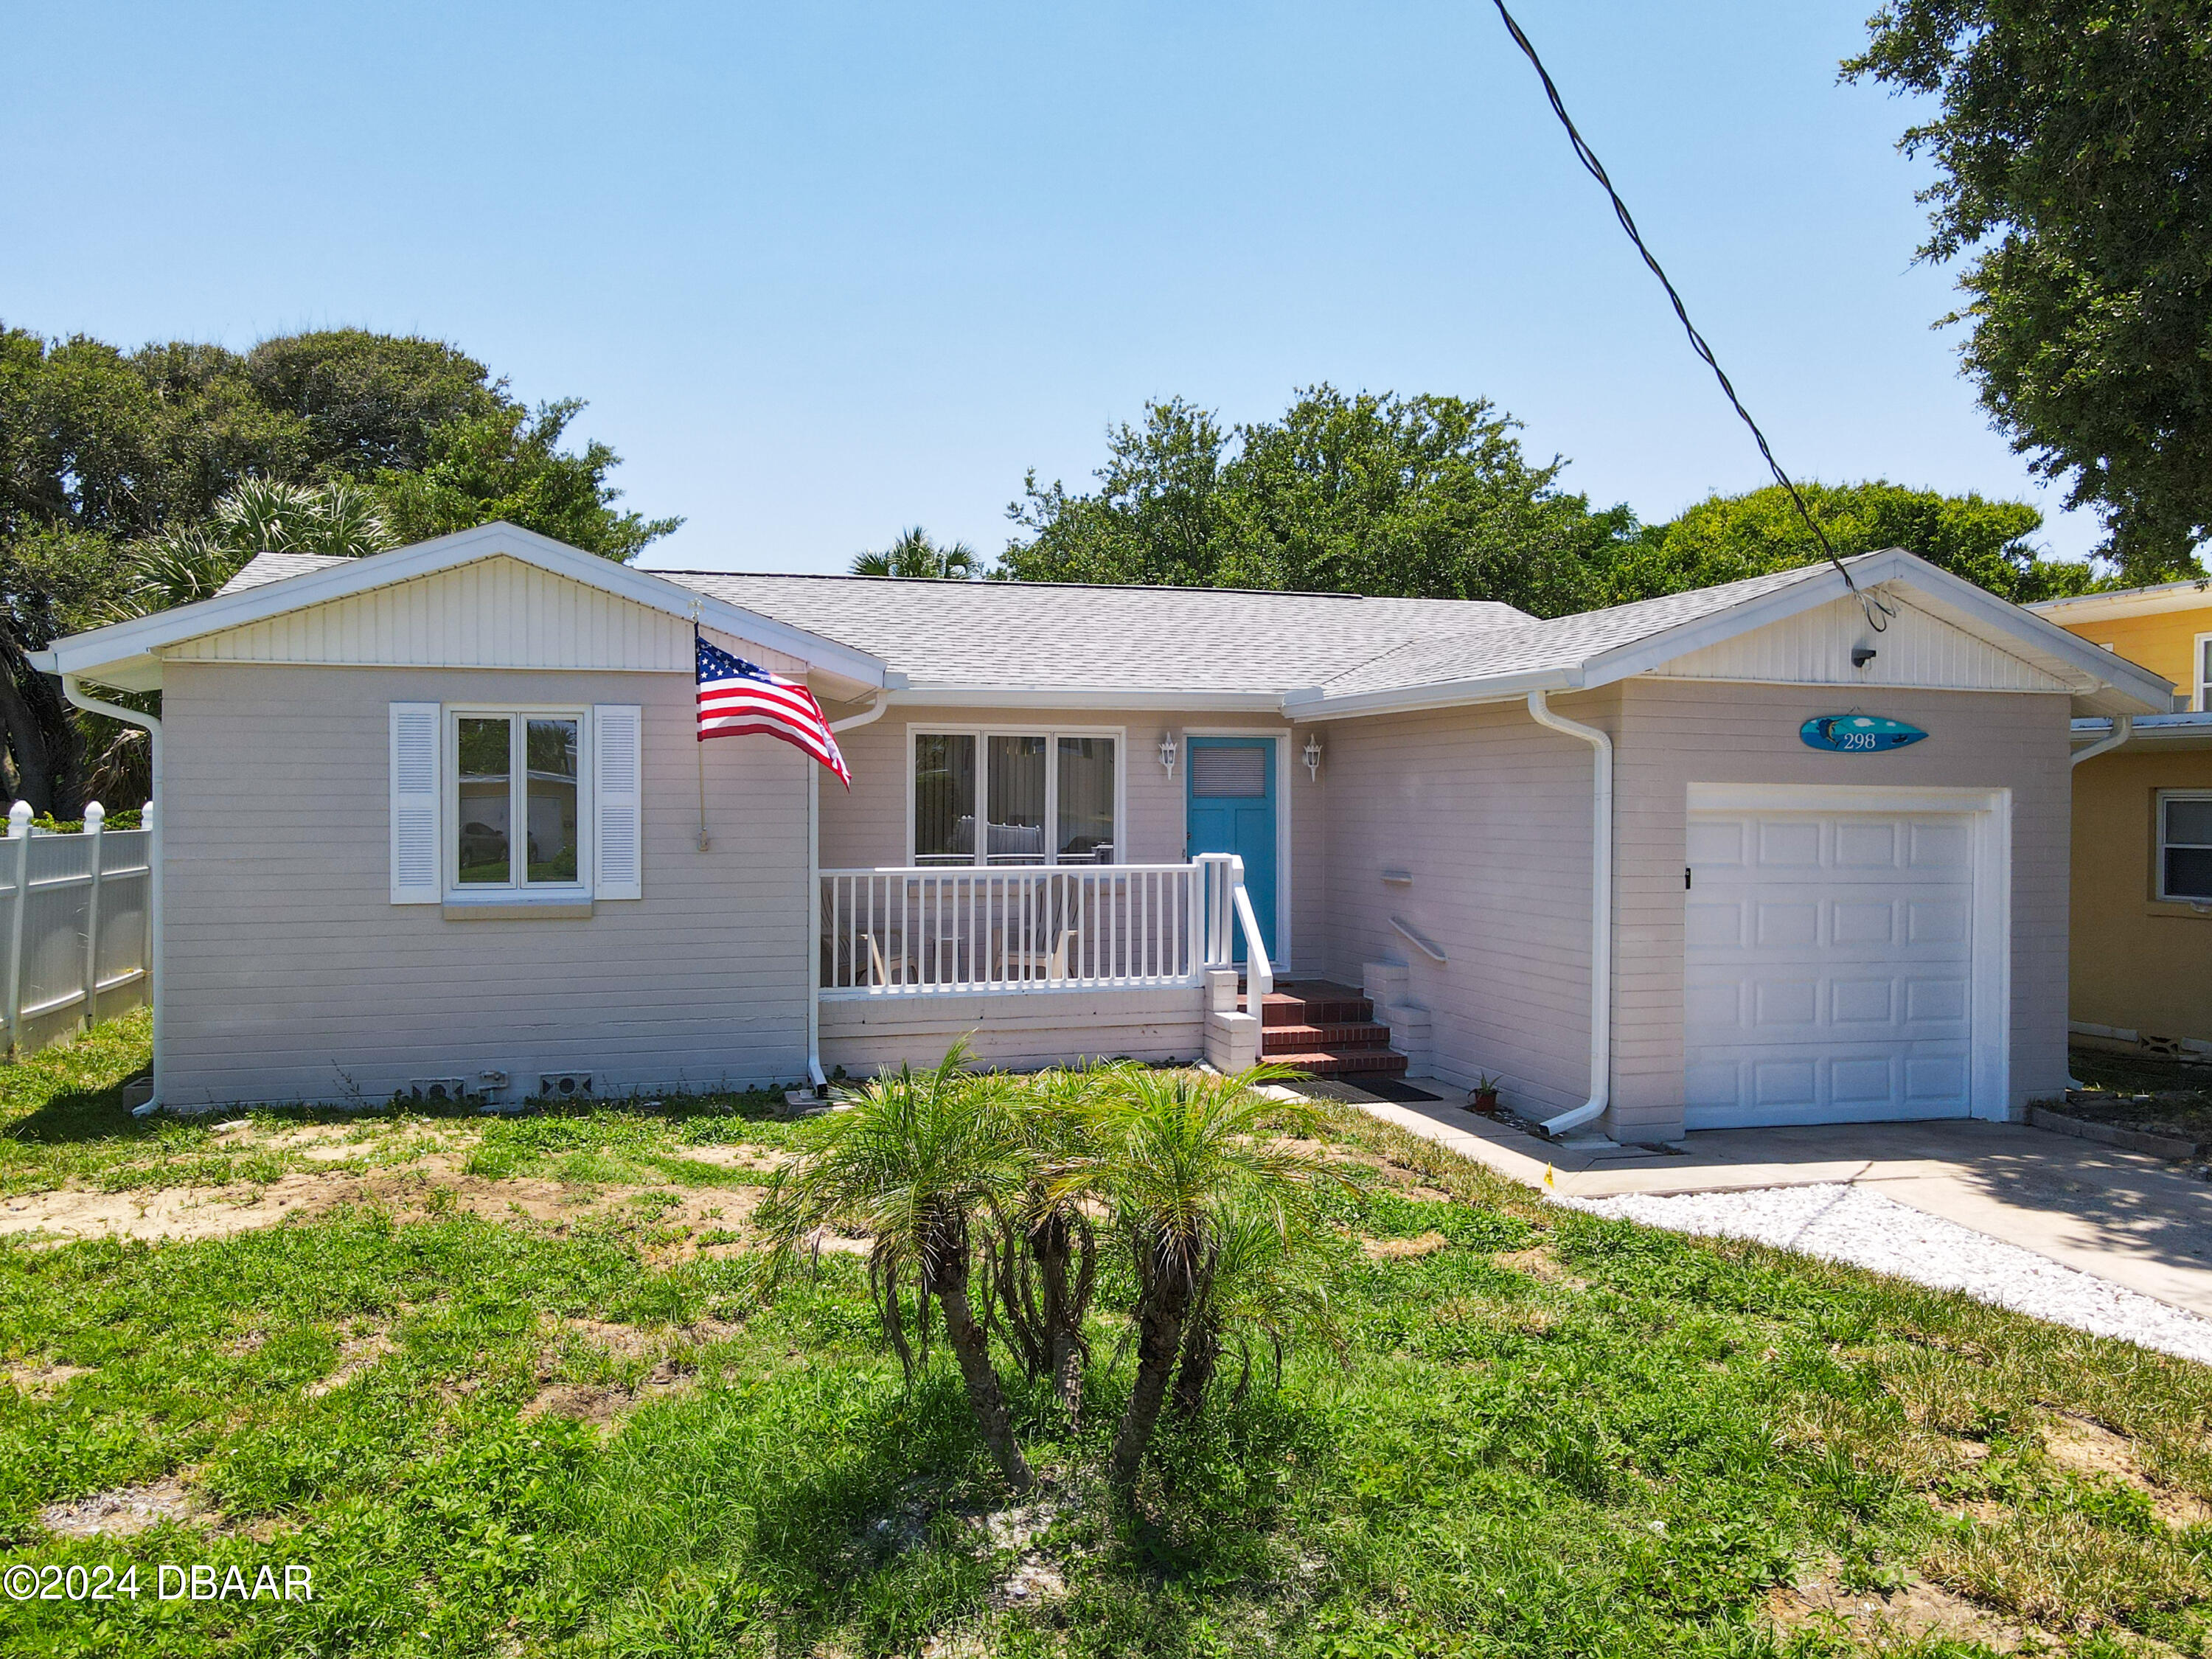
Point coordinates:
[[1039, 965]]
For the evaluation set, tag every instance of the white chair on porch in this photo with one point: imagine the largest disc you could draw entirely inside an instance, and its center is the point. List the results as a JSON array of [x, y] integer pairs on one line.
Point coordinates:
[[1040, 941]]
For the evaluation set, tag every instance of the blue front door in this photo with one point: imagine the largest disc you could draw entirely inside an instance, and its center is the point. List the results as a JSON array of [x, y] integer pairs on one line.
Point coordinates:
[[1232, 783]]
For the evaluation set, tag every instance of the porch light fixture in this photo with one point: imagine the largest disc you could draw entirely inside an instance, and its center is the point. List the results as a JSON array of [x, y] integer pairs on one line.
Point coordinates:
[[1313, 757], [1168, 751]]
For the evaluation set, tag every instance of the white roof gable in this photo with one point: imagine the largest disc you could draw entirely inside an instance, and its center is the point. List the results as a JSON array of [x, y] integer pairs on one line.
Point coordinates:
[[129, 653]]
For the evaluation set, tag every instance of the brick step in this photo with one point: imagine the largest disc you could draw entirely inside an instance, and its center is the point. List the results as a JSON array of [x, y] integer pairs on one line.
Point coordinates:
[[1310, 1002], [1341, 1062], [1353, 1034]]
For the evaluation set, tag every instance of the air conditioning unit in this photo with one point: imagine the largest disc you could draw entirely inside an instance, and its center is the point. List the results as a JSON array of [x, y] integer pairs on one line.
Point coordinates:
[[438, 1090], [564, 1085]]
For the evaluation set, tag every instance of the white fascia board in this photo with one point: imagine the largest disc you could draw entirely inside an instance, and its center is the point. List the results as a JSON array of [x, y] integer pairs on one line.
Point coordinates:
[[999, 696], [89, 652], [1313, 704], [2191, 593]]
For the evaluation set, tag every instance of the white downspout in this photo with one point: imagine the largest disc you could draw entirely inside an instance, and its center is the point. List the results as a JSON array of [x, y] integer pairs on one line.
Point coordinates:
[[155, 813], [815, 1074], [2123, 726], [1601, 916]]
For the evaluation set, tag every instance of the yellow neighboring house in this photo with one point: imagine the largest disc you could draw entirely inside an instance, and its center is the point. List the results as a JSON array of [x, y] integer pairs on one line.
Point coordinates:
[[2141, 956]]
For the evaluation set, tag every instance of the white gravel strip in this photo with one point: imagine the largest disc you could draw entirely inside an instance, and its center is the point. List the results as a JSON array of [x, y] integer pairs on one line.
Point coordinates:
[[1854, 1224]]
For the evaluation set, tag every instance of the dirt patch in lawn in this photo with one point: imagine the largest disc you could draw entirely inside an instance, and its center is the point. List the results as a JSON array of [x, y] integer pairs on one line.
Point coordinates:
[[434, 1185], [1879, 1622], [44, 1382], [1400, 1249], [2091, 1448], [125, 1511], [1538, 1263]]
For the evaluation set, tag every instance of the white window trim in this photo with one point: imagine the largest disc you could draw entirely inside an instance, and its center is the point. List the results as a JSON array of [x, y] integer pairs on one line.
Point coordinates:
[[2158, 830], [917, 730], [449, 854], [2203, 679]]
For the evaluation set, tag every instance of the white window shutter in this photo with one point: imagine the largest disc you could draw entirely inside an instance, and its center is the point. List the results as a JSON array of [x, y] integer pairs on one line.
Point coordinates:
[[618, 796], [415, 804]]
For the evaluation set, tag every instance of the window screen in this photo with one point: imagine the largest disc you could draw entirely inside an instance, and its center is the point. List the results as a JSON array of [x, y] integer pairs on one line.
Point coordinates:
[[1228, 772], [1017, 791], [1086, 800], [944, 798], [2185, 846]]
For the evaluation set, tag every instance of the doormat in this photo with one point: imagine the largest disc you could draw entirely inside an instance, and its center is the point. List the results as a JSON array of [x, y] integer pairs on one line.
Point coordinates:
[[1389, 1088]]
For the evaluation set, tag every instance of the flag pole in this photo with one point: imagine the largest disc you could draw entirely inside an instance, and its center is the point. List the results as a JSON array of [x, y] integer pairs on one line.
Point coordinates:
[[700, 744]]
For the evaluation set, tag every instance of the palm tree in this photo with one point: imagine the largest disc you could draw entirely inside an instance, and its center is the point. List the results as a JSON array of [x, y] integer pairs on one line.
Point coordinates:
[[915, 1165], [1049, 1250], [1182, 1157], [338, 519], [1270, 1282], [912, 553]]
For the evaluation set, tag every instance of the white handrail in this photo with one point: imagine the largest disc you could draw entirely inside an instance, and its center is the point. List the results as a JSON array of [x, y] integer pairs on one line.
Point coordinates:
[[1259, 976], [1419, 943]]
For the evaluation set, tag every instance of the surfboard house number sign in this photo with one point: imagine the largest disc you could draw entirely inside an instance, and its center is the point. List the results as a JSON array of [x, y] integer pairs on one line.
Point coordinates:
[[1857, 734]]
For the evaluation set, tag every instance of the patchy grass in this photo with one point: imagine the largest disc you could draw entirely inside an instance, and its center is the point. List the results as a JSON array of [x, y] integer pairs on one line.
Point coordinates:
[[2138, 1091], [494, 1431]]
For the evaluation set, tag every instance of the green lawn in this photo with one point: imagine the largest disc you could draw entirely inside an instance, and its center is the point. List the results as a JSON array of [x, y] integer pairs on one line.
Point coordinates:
[[570, 1426]]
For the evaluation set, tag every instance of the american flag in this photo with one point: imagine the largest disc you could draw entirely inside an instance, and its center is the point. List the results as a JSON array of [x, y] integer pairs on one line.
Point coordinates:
[[735, 696]]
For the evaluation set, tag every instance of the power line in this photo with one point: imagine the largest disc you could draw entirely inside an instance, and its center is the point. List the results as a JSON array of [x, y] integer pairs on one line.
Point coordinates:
[[1876, 611]]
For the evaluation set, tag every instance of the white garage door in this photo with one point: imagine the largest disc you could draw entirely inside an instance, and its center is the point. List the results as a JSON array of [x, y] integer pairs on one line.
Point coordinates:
[[1829, 976]]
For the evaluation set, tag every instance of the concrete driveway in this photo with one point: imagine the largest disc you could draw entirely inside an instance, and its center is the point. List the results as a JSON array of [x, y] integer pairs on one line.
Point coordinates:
[[2133, 1220]]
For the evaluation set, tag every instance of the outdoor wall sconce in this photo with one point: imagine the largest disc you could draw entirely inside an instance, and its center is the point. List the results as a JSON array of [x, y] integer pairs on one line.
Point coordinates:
[[1862, 656], [1168, 751], [1313, 758]]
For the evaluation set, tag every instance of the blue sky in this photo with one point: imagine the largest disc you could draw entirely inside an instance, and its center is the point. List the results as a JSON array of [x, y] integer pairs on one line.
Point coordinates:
[[824, 271]]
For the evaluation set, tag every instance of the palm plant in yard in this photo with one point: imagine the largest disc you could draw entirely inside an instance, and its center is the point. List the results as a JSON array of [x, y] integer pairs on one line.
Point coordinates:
[[920, 1164], [1270, 1284], [1047, 1262], [1185, 1160]]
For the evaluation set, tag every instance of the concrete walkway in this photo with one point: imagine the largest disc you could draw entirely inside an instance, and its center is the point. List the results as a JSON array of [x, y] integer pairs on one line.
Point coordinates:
[[2136, 1221]]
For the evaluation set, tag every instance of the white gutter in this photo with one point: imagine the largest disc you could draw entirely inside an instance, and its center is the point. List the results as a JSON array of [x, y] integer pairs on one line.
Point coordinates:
[[1601, 916], [815, 1074], [2124, 727], [155, 974]]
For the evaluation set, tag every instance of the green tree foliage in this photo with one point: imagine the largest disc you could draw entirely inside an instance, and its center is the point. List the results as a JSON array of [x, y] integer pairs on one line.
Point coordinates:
[[113, 465], [1423, 496], [2074, 145], [1725, 538], [507, 463], [912, 553]]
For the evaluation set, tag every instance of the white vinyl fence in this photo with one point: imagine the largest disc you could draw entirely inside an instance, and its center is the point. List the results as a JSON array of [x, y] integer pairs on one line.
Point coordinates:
[[78, 914]]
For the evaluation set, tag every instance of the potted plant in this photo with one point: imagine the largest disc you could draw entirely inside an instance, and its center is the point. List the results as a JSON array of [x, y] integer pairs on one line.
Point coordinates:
[[1483, 1097]]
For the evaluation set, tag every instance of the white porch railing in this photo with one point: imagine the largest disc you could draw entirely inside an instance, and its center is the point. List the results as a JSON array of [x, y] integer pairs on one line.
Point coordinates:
[[970, 928], [77, 913]]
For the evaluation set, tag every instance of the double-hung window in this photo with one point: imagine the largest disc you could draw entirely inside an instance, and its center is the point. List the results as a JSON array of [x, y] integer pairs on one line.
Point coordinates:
[[2185, 845], [2205, 673], [1014, 798]]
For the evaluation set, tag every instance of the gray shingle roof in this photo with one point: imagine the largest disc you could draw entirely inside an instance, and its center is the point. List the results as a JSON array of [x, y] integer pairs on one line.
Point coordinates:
[[1561, 642], [1064, 636], [1067, 636], [263, 568]]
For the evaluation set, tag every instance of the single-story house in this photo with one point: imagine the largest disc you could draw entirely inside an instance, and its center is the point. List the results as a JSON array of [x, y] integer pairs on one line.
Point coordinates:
[[2143, 830], [437, 820]]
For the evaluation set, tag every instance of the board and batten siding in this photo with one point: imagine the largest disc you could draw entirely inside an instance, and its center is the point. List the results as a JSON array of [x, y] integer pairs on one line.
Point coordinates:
[[867, 828], [1490, 815], [1670, 733], [1915, 650], [496, 612], [292, 976]]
